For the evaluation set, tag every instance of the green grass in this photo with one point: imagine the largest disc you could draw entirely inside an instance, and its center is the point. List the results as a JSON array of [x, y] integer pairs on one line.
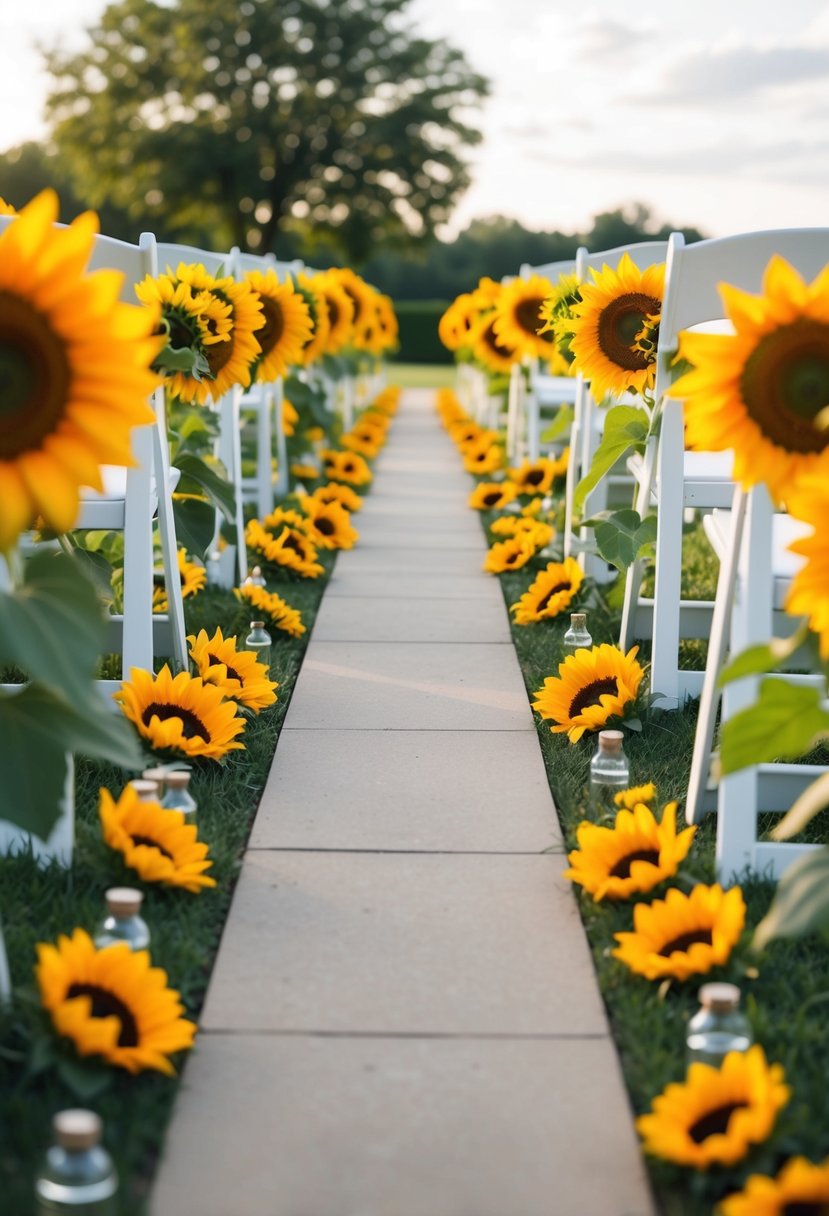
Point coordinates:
[[422, 375], [786, 990]]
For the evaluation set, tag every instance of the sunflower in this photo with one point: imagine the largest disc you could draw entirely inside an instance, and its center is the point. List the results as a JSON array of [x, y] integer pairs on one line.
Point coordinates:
[[488, 348], [287, 324], [449, 407], [379, 419], [267, 604], [761, 390], [193, 580], [465, 432], [190, 320], [509, 554], [388, 399], [552, 591], [112, 1003], [388, 328], [483, 457], [456, 322], [330, 525], [74, 366], [339, 310], [522, 525], [556, 313], [537, 476], [809, 592], [358, 442], [290, 417], [800, 1189], [683, 935], [335, 491], [634, 856], [592, 687], [7, 208], [349, 467], [291, 549], [236, 673], [157, 843], [716, 1114], [318, 342], [492, 495], [181, 714], [304, 472], [607, 322], [361, 296], [518, 321], [286, 517], [230, 362], [636, 794]]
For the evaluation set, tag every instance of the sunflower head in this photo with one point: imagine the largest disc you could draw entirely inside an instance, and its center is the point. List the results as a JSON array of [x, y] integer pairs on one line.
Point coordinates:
[[634, 856], [637, 793], [492, 495], [683, 935], [287, 327], [510, 554], [236, 673], [273, 608], [330, 525], [181, 714], [593, 688], [518, 322], [550, 594], [159, 844], [800, 1189]]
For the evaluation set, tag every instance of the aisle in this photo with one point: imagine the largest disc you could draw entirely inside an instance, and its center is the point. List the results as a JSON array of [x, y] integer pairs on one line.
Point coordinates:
[[403, 1019]]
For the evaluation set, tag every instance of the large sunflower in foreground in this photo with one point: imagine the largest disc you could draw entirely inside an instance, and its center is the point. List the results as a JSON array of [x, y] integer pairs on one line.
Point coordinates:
[[606, 322], [290, 550], [809, 592], [236, 673], [349, 467], [683, 935], [492, 495], [550, 593], [180, 714], [159, 844], [112, 1003], [800, 1189], [335, 491], [716, 1114], [591, 688], [634, 856], [762, 390], [273, 608], [287, 326], [74, 369], [193, 580], [518, 318], [230, 362]]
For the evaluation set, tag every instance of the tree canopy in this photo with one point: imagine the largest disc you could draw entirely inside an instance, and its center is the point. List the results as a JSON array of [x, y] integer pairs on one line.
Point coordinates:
[[233, 116]]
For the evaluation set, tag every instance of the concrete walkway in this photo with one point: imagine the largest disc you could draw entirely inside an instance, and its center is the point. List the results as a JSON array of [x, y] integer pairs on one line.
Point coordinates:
[[403, 1019]]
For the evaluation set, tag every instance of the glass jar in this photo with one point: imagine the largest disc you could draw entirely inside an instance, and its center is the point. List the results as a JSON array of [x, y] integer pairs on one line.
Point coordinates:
[[577, 637], [718, 1027], [255, 578], [609, 774], [78, 1174], [158, 775], [147, 791], [259, 641], [178, 796], [123, 922]]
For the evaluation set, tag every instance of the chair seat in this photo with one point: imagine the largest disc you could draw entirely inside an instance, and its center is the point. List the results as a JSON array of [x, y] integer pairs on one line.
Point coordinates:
[[554, 390], [105, 508], [784, 564], [707, 478]]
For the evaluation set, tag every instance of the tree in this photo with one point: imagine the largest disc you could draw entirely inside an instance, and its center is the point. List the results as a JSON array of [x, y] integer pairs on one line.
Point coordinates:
[[235, 116]]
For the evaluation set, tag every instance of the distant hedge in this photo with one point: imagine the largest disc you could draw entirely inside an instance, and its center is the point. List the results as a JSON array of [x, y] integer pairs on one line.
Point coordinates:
[[419, 341]]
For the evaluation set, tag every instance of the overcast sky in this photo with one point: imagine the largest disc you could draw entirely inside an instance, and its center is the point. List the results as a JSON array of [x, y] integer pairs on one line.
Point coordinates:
[[712, 112]]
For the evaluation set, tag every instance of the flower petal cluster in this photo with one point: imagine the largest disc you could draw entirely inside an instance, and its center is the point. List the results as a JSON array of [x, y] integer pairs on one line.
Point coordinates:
[[181, 714], [236, 673], [159, 844], [634, 856], [683, 935], [592, 687]]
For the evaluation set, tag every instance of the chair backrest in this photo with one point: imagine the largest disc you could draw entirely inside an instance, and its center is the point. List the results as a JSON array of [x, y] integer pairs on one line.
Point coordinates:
[[548, 270], [243, 263], [642, 253], [218, 264]]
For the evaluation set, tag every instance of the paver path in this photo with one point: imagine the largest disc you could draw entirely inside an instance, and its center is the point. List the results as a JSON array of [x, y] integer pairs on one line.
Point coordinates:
[[403, 1019]]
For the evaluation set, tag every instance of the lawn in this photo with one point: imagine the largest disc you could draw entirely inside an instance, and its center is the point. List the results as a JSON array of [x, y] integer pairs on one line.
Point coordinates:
[[422, 375]]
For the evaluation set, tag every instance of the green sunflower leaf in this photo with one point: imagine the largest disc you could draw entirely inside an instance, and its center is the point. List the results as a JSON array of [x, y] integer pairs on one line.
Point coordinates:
[[783, 724], [626, 429], [621, 536], [85, 1079], [560, 424], [801, 901], [212, 481], [195, 525]]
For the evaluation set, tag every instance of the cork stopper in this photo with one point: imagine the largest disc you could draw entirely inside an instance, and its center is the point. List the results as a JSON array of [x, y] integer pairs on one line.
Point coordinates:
[[257, 624], [610, 741], [124, 901], [146, 790], [158, 775], [178, 780], [256, 572], [720, 998], [76, 1130], [578, 620]]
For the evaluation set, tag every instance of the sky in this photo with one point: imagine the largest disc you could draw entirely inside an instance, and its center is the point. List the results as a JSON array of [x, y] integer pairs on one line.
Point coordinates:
[[713, 113]]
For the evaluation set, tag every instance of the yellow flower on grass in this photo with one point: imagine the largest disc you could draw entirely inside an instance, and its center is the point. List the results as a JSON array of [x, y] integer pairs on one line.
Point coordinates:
[[492, 495], [291, 550], [591, 688], [518, 318], [483, 457], [683, 935], [716, 1114], [808, 595], [335, 491], [305, 472], [537, 476], [112, 1003], [159, 844], [388, 399], [634, 856], [285, 517], [449, 407], [349, 467], [368, 447], [762, 390], [465, 431], [236, 673], [193, 580], [522, 525], [509, 554], [74, 369], [800, 1189], [330, 525], [636, 794], [606, 322], [550, 593], [180, 714], [287, 326], [273, 608]]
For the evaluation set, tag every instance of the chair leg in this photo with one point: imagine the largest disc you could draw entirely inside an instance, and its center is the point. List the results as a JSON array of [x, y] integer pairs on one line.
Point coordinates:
[[513, 406], [633, 578], [668, 573], [137, 640], [574, 469], [264, 441], [169, 544], [230, 453], [283, 473]]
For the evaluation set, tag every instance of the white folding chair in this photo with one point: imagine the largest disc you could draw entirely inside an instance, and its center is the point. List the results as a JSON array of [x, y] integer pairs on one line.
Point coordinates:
[[669, 477], [756, 569]]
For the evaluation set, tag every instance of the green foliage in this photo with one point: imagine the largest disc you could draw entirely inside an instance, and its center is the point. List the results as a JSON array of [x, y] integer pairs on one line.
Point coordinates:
[[801, 902], [234, 116], [626, 429], [419, 341], [622, 536], [560, 425], [782, 724], [757, 660]]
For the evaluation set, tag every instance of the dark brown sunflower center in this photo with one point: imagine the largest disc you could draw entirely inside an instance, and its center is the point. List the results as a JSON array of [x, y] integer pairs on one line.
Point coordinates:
[[685, 941], [182, 331], [591, 694], [492, 342], [622, 867], [358, 305], [714, 1122], [106, 1005], [805, 1207], [325, 526], [34, 377], [619, 323], [151, 844], [333, 311], [191, 726], [528, 314], [291, 542], [213, 660], [785, 385], [491, 498], [220, 353], [544, 601], [534, 477], [273, 329]]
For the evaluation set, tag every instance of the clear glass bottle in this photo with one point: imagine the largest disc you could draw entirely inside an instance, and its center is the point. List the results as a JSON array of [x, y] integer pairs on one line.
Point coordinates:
[[577, 637], [718, 1026], [255, 578], [178, 796], [259, 641], [123, 922], [158, 775], [147, 791], [609, 773], [78, 1174]]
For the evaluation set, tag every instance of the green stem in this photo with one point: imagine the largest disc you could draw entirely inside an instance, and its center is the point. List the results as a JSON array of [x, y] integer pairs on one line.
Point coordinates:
[[66, 544], [14, 561]]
